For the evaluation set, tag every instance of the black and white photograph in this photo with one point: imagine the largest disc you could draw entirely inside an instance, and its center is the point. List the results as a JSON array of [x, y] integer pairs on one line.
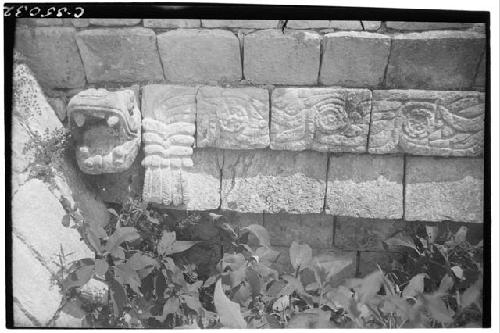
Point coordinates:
[[250, 166]]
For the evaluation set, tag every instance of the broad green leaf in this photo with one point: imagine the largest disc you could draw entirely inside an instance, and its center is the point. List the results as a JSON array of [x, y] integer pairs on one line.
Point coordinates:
[[169, 245], [266, 255], [260, 232], [229, 312], [113, 212], [126, 275], [124, 234], [300, 255], [81, 272], [118, 253], [66, 220], [437, 309], [171, 306], [237, 276], [118, 296], [140, 261], [401, 241], [461, 235], [254, 281], [368, 286], [312, 318], [415, 286], [472, 294], [281, 303], [233, 261], [101, 267], [242, 295], [74, 309], [432, 233], [458, 271], [446, 284], [327, 265]]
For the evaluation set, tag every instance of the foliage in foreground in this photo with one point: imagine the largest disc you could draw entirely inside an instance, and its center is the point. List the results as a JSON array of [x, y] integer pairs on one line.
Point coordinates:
[[197, 273]]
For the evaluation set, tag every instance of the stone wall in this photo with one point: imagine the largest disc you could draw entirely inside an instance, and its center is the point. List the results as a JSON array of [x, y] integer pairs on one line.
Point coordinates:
[[335, 133]]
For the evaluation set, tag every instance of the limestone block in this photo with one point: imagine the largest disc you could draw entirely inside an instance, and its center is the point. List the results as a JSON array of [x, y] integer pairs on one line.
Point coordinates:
[[52, 54], [308, 24], [174, 176], [113, 22], [172, 23], [316, 230], [346, 25], [248, 24], [33, 286], [268, 181], [282, 58], [106, 128], [444, 189], [323, 119], [404, 25], [360, 234], [448, 123], [365, 186], [371, 25], [232, 118], [80, 22], [354, 59], [434, 60], [41, 227], [119, 55], [21, 318], [196, 55], [480, 80], [41, 22]]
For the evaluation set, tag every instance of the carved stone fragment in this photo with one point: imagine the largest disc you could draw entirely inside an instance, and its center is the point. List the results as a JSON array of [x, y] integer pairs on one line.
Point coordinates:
[[232, 118], [174, 176], [106, 126], [323, 119], [448, 123]]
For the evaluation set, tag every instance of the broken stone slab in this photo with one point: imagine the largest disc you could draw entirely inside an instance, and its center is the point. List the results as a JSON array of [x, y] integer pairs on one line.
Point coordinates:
[[248, 24], [106, 127], [316, 230], [171, 23], [440, 189], [232, 118], [354, 59], [200, 55], [367, 186], [259, 181], [434, 60], [120, 55], [415, 26], [447, 123], [273, 57], [52, 54], [322, 119]]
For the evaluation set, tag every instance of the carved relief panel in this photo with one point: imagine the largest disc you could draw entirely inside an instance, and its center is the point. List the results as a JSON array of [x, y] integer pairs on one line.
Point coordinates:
[[449, 123], [322, 119], [106, 126]]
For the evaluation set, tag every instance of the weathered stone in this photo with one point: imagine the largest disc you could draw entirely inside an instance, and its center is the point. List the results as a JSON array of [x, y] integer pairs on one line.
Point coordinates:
[[308, 24], [249, 24], [171, 23], [448, 123], [80, 22], [45, 215], [444, 189], [360, 234], [434, 59], [71, 315], [480, 80], [113, 22], [346, 25], [41, 22], [268, 181], [53, 55], [106, 128], [323, 119], [33, 286], [22, 318], [195, 55], [371, 25], [232, 118], [316, 230], [404, 25], [282, 58], [365, 186], [354, 59], [59, 106], [119, 55]]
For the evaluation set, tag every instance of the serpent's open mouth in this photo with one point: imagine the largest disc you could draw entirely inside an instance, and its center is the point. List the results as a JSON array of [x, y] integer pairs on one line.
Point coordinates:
[[106, 126]]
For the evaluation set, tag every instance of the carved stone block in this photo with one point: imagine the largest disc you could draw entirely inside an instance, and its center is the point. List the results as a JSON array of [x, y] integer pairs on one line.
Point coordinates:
[[368, 186], [248, 24], [448, 123], [232, 118], [171, 23], [106, 126], [440, 189], [174, 176], [259, 181], [323, 119]]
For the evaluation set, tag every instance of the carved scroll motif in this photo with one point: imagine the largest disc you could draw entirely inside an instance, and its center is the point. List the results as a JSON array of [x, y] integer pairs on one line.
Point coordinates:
[[322, 119], [428, 123], [106, 126]]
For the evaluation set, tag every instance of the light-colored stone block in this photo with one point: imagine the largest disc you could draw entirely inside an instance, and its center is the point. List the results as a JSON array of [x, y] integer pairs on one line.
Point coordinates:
[[365, 186], [346, 25], [308, 24], [480, 80], [22, 318], [120, 55], [52, 54], [248, 24], [354, 59], [41, 22], [323, 119], [404, 25], [172, 23], [434, 60], [448, 123], [316, 230], [115, 22], [371, 25], [268, 181], [282, 58], [232, 118], [440, 189], [80, 22], [196, 55]]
